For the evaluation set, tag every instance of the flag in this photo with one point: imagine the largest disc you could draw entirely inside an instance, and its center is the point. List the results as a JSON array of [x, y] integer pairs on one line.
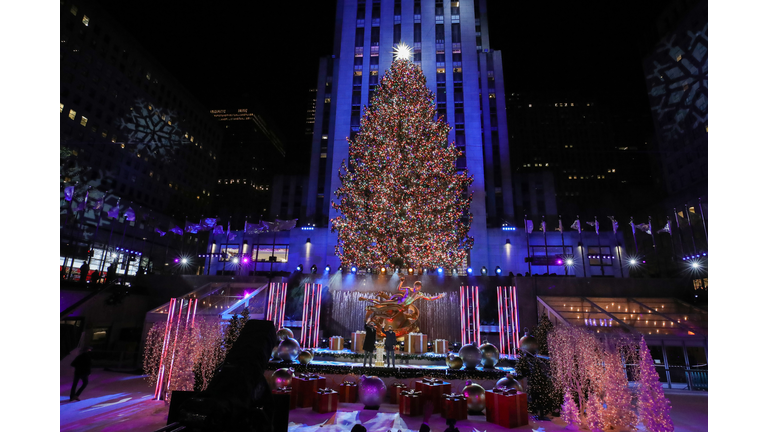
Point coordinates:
[[210, 222], [576, 225], [69, 192], [529, 226], [614, 224], [543, 226], [218, 230], [666, 229], [99, 203], [231, 236], [130, 215], [190, 227], [176, 230], [251, 228], [644, 228], [285, 225], [632, 224], [114, 212], [159, 231], [595, 224], [559, 225]]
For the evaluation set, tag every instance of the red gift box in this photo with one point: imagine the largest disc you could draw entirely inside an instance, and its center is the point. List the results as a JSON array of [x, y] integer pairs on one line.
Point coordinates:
[[454, 407], [291, 396], [506, 407], [395, 391], [433, 390], [411, 403], [305, 386], [326, 400], [348, 392]]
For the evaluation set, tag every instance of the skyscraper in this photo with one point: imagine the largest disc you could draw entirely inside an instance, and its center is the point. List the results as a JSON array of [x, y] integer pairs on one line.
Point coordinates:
[[451, 46]]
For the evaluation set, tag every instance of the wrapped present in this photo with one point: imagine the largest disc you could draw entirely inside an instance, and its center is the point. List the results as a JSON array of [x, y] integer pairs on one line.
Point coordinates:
[[358, 338], [506, 407], [411, 403], [416, 343], [433, 390], [326, 400], [285, 395], [305, 386], [336, 343], [454, 406], [395, 390], [348, 392], [440, 346]]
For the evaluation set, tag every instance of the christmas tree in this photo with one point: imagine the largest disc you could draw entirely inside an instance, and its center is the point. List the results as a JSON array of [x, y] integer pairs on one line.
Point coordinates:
[[568, 411], [595, 413], [652, 405], [618, 413], [541, 331], [402, 201]]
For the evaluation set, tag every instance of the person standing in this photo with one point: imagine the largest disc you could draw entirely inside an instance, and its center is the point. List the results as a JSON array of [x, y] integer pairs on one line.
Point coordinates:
[[369, 344], [389, 344], [82, 365]]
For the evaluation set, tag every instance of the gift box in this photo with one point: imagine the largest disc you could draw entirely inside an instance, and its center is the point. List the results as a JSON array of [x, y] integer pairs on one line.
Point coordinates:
[[306, 386], [395, 390], [416, 343], [326, 400], [358, 338], [440, 346], [454, 406], [411, 403], [285, 395], [433, 390], [336, 343], [506, 407], [348, 392]]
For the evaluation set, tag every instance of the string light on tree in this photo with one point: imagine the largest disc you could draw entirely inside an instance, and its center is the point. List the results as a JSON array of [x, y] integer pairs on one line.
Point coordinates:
[[402, 202]]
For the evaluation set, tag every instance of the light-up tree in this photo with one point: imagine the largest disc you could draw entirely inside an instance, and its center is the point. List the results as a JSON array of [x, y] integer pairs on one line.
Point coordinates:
[[652, 405], [618, 399], [569, 412], [402, 201]]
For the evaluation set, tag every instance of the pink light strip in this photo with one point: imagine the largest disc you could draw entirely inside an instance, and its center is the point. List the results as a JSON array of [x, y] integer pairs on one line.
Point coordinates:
[[317, 315], [175, 338], [461, 296], [304, 314], [161, 373], [501, 323], [477, 316], [515, 317], [281, 317], [194, 313]]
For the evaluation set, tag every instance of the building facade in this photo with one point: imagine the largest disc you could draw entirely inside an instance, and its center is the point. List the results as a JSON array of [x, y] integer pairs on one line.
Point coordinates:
[[451, 46], [252, 154], [129, 133]]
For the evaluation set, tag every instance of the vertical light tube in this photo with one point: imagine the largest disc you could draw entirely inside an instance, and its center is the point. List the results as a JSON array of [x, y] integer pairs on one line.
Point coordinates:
[[477, 315], [304, 314], [501, 325], [161, 373], [515, 317], [317, 315], [461, 295]]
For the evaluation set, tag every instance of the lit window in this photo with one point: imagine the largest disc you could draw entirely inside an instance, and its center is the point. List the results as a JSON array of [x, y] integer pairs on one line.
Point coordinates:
[[83, 120], [150, 107], [327, 100], [104, 133], [491, 95], [72, 114], [114, 138], [86, 20], [613, 170], [73, 10], [122, 145], [61, 108], [191, 139], [706, 128], [151, 173]]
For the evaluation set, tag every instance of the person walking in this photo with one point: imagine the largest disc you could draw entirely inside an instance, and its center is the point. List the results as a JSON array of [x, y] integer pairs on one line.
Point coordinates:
[[369, 344], [82, 365], [389, 344]]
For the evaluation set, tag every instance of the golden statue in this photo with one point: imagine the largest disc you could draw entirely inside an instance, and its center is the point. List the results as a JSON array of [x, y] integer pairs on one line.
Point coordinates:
[[397, 310]]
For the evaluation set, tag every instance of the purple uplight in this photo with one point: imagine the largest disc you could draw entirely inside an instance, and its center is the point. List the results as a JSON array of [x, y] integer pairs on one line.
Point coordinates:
[[245, 260], [559, 261], [176, 260]]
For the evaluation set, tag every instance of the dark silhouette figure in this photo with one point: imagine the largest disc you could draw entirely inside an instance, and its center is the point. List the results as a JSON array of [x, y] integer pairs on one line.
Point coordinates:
[[424, 428], [369, 344], [451, 425], [84, 269], [111, 272], [82, 365], [389, 345], [359, 428]]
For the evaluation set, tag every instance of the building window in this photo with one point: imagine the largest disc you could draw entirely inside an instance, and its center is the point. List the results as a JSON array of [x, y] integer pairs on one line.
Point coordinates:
[[61, 108], [72, 114], [594, 253], [83, 121], [73, 10], [86, 20]]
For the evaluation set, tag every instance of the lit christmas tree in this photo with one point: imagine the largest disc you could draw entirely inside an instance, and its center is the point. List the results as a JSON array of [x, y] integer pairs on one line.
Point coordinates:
[[652, 405], [402, 201], [569, 412], [618, 399], [595, 413]]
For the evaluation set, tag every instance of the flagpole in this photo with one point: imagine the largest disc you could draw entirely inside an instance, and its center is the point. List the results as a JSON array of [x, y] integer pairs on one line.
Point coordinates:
[[581, 246], [527, 243], [599, 246], [690, 225], [562, 239], [546, 249], [679, 234], [655, 251], [634, 237], [703, 222]]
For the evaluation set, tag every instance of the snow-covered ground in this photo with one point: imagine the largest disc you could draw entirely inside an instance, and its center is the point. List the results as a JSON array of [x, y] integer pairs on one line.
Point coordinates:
[[115, 402]]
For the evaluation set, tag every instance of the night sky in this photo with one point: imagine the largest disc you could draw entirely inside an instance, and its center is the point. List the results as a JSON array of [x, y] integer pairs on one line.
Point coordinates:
[[229, 53]]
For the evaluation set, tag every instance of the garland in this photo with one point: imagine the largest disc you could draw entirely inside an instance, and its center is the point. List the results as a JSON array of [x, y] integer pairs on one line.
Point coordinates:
[[393, 372]]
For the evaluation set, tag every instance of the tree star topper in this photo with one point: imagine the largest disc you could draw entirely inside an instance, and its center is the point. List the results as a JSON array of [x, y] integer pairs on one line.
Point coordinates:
[[403, 51]]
